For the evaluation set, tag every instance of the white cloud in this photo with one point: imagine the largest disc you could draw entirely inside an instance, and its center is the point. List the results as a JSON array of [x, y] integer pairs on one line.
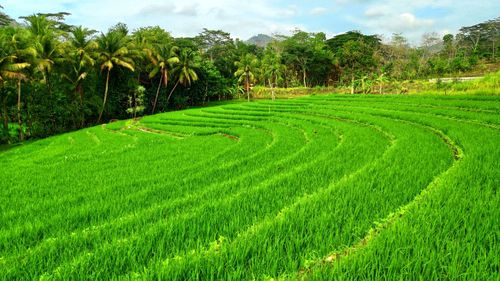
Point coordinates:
[[187, 10], [157, 10], [414, 18], [408, 21], [244, 19], [185, 18], [385, 20], [318, 11], [377, 11]]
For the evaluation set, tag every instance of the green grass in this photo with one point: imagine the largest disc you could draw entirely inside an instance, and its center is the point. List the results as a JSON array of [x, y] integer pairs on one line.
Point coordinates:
[[321, 187], [487, 85]]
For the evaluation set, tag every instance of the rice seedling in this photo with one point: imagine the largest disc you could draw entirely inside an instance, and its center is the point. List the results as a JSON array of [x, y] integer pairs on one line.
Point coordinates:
[[320, 187]]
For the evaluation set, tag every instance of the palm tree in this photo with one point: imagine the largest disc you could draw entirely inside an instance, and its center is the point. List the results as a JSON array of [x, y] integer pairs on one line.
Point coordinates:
[[25, 55], [81, 54], [46, 45], [112, 51], [163, 58], [272, 71], [246, 68], [10, 69], [140, 46], [186, 69], [49, 52], [19, 54]]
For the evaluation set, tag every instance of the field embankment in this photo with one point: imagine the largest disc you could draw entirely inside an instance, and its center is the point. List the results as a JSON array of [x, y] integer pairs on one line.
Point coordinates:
[[489, 84]]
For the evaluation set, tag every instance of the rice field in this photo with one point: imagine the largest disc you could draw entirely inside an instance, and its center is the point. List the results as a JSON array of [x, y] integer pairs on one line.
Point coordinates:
[[327, 187]]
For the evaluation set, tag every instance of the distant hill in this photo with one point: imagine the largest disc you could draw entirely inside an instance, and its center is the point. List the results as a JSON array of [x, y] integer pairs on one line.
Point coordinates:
[[260, 40]]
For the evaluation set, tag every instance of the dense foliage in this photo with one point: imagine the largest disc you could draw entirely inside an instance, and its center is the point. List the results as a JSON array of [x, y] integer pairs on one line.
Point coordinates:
[[55, 77], [328, 187]]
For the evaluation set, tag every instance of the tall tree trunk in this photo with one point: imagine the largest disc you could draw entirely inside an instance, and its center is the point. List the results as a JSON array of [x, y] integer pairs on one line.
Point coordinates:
[[19, 120], [304, 76], [29, 120], [475, 43], [79, 91], [247, 86], [51, 100], [157, 93], [105, 97], [206, 92], [493, 55], [134, 96], [134, 104], [172, 91], [352, 84], [272, 87], [5, 116]]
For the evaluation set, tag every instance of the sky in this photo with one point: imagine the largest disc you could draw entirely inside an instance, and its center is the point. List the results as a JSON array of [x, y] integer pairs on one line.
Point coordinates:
[[244, 19]]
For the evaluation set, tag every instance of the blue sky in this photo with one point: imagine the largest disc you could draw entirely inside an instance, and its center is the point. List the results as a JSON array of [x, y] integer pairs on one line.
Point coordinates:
[[246, 18]]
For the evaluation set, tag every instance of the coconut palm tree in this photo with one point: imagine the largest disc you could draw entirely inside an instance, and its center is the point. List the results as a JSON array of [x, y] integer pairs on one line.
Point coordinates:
[[185, 70], [48, 48], [272, 71], [246, 69], [112, 52], [163, 58], [82, 52], [10, 70], [25, 55], [45, 38], [140, 45]]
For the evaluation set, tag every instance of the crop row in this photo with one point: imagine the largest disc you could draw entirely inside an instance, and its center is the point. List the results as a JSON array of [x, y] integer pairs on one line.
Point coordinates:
[[323, 187]]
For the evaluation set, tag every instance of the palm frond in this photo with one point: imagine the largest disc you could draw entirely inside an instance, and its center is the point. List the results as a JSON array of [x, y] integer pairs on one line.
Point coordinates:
[[154, 72], [123, 63], [107, 65]]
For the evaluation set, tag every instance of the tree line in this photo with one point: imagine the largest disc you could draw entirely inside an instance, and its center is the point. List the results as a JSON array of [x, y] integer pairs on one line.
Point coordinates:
[[55, 77]]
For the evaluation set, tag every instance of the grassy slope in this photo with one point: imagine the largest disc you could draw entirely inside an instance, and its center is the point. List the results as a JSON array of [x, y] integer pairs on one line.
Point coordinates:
[[487, 85], [342, 187]]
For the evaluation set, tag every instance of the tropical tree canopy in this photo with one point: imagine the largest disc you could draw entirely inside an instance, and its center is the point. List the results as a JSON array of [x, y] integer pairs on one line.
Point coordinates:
[[55, 77]]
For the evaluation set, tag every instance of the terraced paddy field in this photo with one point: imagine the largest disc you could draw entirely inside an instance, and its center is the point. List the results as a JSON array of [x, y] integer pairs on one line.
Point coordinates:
[[317, 188]]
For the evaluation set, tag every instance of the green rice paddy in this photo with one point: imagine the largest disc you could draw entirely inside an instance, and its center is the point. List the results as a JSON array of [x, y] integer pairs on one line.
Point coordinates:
[[318, 188]]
